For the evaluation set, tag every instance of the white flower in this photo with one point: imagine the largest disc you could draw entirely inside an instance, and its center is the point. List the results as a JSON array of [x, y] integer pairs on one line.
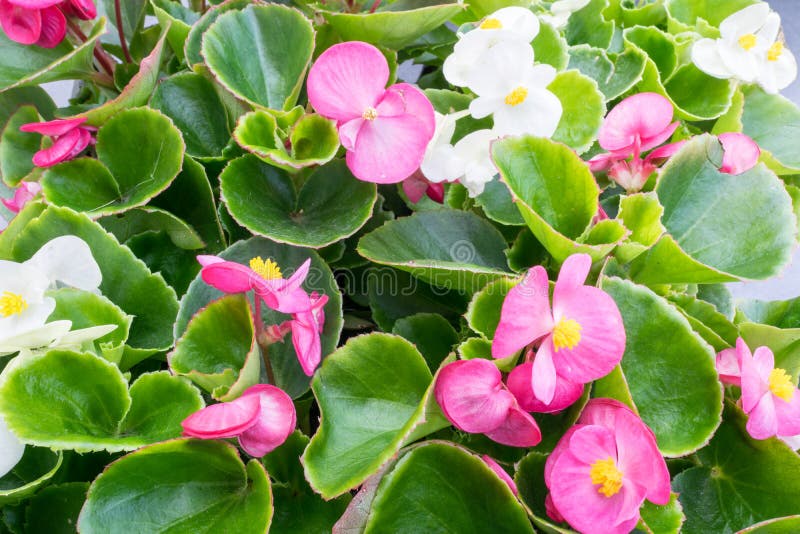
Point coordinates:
[[515, 91], [748, 50], [11, 449], [441, 164], [477, 166], [510, 24], [561, 10]]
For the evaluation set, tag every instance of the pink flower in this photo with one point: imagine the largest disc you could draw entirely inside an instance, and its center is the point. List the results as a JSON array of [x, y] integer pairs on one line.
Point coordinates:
[[741, 153], [473, 398], [637, 124], [520, 385], [603, 468], [71, 138], [501, 473], [41, 22], [417, 186], [581, 339], [262, 418], [729, 363], [22, 195], [306, 328], [770, 396], [385, 131], [82, 9]]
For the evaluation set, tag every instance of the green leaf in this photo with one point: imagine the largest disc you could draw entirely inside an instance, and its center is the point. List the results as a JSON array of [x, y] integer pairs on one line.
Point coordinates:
[[330, 205], [782, 525], [261, 53], [498, 204], [132, 12], [430, 333], [28, 65], [139, 220], [194, 41], [588, 26], [186, 485], [483, 314], [55, 509], [126, 280], [741, 481], [684, 421], [370, 406], [191, 101], [122, 179], [313, 140], [420, 494], [177, 20], [12, 99], [447, 248], [738, 226], [615, 74], [641, 214], [773, 122], [289, 375], [17, 148], [550, 47], [665, 519], [529, 479], [36, 467], [712, 11], [391, 27], [584, 108], [218, 351]]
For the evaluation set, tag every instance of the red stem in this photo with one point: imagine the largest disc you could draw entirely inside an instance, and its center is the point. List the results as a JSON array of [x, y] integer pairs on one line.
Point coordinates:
[[375, 5], [121, 31], [259, 324], [100, 55]]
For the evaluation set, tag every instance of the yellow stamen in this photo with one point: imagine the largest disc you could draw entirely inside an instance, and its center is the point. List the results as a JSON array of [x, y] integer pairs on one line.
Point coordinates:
[[780, 384], [491, 24], [566, 334], [12, 304], [268, 270], [605, 474], [370, 114], [775, 51], [517, 96], [747, 41]]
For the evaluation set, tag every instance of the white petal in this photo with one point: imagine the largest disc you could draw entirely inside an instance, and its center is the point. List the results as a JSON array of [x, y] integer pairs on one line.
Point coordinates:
[[747, 20], [68, 259], [442, 164], [78, 337], [778, 74], [705, 55], [473, 149], [501, 68], [741, 63], [32, 318], [483, 106], [23, 280], [540, 76], [42, 336], [538, 115], [11, 449], [518, 20], [769, 31]]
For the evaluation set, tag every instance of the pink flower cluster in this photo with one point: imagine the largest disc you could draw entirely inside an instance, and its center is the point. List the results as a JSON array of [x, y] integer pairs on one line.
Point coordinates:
[[42, 22], [70, 138]]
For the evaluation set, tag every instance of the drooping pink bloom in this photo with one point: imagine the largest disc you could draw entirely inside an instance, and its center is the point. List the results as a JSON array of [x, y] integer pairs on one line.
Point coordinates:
[[417, 186], [262, 418], [581, 339], [639, 123], [23, 194], [70, 137], [33, 22], [306, 329], [82, 9], [520, 385], [473, 397], [770, 396], [603, 468], [385, 131], [741, 153], [501, 473], [729, 363]]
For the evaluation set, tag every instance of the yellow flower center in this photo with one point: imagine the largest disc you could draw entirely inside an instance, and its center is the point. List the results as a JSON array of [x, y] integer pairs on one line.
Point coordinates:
[[491, 24], [747, 41], [12, 304], [775, 51], [780, 384], [566, 334], [370, 114], [517, 96], [605, 474], [268, 270]]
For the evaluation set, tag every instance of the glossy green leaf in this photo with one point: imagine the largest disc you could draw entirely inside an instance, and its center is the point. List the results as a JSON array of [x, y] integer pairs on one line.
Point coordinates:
[[132, 12], [36, 467], [447, 248], [177, 20], [218, 351], [584, 108], [684, 421], [184, 486], [393, 26], [289, 375], [550, 47], [588, 26], [147, 219], [193, 105], [728, 226], [498, 204], [615, 74], [529, 479], [420, 494], [741, 481], [331, 204], [430, 333], [665, 519], [712, 11], [12, 99], [483, 314], [55, 509], [773, 122], [641, 214], [261, 53], [194, 41], [370, 406], [782, 525], [17, 148]]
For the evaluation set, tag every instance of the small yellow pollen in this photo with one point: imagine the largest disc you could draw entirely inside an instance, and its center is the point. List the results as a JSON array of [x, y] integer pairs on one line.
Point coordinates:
[[747, 41], [12, 304], [491, 24], [605, 474], [517, 96], [566, 334], [370, 114], [268, 270], [780, 384], [775, 51]]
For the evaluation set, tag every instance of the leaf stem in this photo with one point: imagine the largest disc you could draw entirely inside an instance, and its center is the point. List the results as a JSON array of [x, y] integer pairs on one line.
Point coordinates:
[[375, 5], [100, 54], [121, 30]]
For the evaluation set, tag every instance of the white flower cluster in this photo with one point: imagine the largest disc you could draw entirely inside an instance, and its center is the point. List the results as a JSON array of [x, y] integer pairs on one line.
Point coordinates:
[[495, 61], [749, 50]]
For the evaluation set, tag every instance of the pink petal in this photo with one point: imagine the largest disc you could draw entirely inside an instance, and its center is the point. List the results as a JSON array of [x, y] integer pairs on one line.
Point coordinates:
[[83, 9], [552, 511], [416, 104], [306, 328], [602, 162], [573, 274], [348, 132], [525, 315], [276, 420], [230, 277], [23, 194], [347, 79], [788, 414], [501, 473], [223, 420], [20, 24], [519, 384], [728, 367], [518, 430], [84, 141], [561, 447], [35, 4], [741, 153], [61, 150], [664, 152], [764, 362], [286, 296], [543, 375], [415, 187], [593, 442], [472, 395], [53, 128], [645, 116], [602, 334], [298, 277], [435, 192], [762, 422], [54, 28]]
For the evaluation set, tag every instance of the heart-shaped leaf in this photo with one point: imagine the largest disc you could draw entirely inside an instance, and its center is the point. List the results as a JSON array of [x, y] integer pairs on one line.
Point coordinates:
[[584, 108], [615, 74]]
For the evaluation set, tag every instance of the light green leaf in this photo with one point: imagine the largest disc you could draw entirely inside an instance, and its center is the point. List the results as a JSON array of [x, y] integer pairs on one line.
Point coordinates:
[[615, 74], [773, 122], [665, 519], [584, 108], [588, 26], [17, 148]]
